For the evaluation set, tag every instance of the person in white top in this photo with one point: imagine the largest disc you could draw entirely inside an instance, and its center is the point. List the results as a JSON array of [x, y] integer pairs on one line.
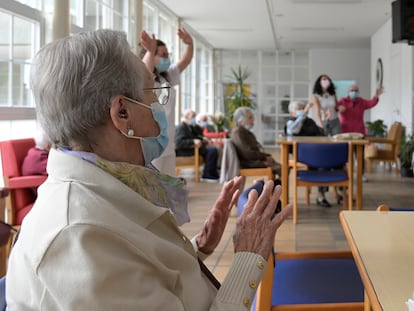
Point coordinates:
[[325, 102], [155, 55]]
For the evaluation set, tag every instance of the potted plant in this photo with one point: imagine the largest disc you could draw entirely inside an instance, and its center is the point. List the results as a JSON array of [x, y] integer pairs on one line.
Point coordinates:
[[239, 97], [406, 156], [376, 128]]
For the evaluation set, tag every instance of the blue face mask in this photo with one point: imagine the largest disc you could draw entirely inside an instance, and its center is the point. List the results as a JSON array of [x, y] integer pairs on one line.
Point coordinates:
[[300, 113], [353, 95], [163, 65], [203, 124], [152, 147], [192, 121]]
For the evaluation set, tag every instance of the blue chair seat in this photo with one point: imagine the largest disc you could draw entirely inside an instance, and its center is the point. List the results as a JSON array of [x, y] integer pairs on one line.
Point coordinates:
[[322, 176], [313, 281]]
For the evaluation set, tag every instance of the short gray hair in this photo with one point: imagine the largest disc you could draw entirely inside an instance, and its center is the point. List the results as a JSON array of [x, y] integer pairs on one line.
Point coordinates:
[[75, 78], [293, 105], [241, 114]]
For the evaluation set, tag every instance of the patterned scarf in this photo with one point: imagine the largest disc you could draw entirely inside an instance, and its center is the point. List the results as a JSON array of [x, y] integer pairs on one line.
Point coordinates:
[[158, 188]]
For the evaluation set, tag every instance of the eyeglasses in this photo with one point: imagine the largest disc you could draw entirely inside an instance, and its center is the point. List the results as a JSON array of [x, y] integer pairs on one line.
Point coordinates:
[[162, 92]]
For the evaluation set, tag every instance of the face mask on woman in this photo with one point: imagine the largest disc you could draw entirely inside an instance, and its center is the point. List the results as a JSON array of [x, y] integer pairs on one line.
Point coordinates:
[[325, 83], [163, 65], [153, 147]]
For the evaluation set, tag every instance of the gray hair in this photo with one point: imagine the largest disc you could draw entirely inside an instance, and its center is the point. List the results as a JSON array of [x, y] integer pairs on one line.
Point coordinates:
[[75, 78], [241, 114], [42, 141], [293, 105]]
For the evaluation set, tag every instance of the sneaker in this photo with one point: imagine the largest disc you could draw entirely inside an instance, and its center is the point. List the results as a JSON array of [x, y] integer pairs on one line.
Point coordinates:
[[364, 178], [210, 180], [322, 202]]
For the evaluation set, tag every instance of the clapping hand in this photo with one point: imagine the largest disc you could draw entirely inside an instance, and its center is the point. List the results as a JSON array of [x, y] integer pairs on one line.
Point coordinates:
[[216, 221]]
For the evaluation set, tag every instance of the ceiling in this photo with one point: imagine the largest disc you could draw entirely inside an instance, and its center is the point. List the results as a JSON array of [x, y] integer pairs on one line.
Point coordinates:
[[283, 24]]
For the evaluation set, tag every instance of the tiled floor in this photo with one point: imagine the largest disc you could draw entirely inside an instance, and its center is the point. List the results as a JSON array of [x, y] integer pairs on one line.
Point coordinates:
[[318, 228]]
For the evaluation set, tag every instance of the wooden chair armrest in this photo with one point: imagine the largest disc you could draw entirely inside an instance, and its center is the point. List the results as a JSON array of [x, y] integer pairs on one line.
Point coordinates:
[[26, 181], [381, 140]]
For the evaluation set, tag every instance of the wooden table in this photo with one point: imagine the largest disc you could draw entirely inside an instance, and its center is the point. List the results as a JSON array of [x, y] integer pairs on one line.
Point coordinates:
[[287, 141], [382, 244]]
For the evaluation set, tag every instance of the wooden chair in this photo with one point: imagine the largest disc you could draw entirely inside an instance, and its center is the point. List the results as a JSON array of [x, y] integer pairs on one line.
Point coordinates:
[[388, 149], [230, 165], [332, 165], [311, 280], [193, 162]]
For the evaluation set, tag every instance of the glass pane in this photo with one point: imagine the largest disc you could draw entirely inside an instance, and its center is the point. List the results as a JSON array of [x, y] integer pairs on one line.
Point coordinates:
[[301, 74], [269, 58], [284, 90], [269, 106], [300, 91], [5, 39], [149, 19], [32, 3], [76, 12], [285, 74], [301, 58], [285, 58], [5, 95], [269, 90], [91, 22], [269, 74], [21, 95], [23, 36], [269, 138]]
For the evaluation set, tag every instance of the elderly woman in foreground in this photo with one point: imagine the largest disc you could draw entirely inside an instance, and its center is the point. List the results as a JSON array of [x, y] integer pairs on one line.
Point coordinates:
[[103, 234]]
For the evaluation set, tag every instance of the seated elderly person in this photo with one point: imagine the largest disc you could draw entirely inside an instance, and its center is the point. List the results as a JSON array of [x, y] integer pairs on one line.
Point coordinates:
[[249, 150], [208, 129], [102, 234], [299, 124], [35, 161], [188, 134]]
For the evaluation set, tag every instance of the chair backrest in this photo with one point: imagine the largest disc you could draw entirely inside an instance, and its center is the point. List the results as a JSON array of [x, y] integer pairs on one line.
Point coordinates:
[[394, 134], [322, 155], [12, 155], [21, 196]]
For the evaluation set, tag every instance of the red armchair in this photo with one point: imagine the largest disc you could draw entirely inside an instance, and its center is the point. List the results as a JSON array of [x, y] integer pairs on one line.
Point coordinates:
[[21, 198]]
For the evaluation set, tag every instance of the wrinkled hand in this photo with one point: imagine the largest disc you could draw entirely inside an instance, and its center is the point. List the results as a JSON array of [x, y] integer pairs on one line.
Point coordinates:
[[148, 42], [255, 230], [185, 36], [341, 108], [216, 221]]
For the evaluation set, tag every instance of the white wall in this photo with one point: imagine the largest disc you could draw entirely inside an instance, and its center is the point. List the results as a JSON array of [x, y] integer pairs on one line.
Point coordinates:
[[345, 64], [396, 104]]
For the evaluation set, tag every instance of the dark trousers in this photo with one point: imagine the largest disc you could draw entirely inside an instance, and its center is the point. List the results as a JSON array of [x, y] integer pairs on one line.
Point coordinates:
[[210, 156]]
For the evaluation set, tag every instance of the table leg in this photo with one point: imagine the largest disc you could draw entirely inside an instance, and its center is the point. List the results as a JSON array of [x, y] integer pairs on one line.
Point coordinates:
[[284, 154], [360, 165]]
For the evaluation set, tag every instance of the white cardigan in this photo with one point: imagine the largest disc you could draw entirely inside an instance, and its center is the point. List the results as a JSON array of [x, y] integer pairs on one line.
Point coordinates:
[[91, 243]]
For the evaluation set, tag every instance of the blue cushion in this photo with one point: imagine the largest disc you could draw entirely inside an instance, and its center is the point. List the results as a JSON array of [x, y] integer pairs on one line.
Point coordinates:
[[322, 176], [323, 155], [258, 186], [402, 209], [311, 281]]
